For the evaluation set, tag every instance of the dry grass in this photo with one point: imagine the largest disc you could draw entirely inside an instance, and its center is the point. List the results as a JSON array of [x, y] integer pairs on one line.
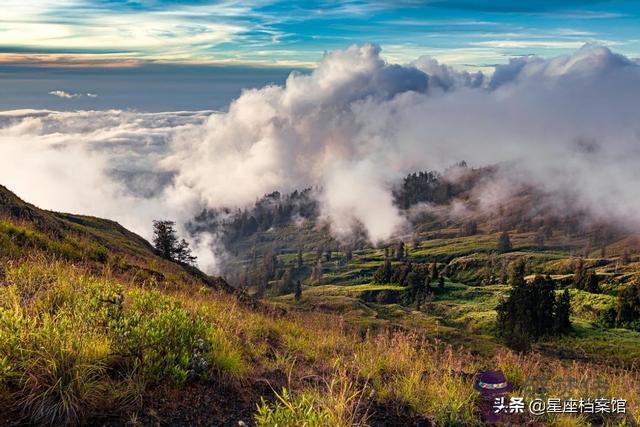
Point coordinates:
[[74, 345]]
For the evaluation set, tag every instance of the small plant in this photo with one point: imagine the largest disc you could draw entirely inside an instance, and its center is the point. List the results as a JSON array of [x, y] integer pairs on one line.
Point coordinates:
[[339, 403]]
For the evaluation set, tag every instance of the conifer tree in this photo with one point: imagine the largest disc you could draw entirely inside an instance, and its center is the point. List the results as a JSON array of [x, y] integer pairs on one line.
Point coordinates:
[[563, 312], [434, 272], [286, 283], [590, 282], [628, 306], [516, 273], [625, 257], [384, 272], [165, 241], [504, 242], [317, 272], [427, 283], [578, 274], [298, 291], [531, 310]]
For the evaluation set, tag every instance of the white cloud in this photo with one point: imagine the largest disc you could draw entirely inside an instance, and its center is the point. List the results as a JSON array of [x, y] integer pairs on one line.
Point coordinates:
[[353, 126], [63, 94], [71, 95]]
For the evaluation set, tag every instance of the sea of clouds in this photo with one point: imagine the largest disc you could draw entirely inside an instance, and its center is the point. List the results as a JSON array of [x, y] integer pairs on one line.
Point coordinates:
[[353, 126]]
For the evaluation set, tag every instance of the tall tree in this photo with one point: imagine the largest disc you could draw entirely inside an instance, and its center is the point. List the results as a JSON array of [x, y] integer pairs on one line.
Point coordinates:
[[578, 273], [531, 311], [628, 306], [504, 242], [384, 272], [349, 254], [516, 272], [539, 238], [434, 272], [400, 254], [469, 228], [298, 291], [165, 241], [563, 312], [270, 263], [165, 238], [317, 272], [624, 259], [286, 282]]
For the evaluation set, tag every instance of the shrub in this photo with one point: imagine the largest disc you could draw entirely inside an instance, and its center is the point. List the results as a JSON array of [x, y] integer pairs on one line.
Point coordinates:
[[156, 335]]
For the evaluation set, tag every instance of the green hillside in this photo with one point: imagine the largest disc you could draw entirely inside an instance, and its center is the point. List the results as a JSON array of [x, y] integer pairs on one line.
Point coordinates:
[[96, 328]]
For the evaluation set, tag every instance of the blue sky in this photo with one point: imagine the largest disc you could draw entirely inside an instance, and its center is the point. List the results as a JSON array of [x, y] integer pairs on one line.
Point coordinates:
[[148, 37], [467, 33]]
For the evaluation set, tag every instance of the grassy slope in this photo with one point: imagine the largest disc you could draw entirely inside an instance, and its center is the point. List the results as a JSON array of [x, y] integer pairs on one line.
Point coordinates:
[[95, 327], [465, 313]]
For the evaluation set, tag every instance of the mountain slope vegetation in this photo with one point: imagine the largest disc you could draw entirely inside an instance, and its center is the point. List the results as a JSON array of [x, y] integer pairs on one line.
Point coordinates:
[[95, 327]]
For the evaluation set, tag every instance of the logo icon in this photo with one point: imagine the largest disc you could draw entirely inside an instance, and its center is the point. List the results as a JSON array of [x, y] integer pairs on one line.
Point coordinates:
[[493, 387]]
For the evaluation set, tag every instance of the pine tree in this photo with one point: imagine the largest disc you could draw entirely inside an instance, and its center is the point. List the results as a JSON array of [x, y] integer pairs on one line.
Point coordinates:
[[590, 282], [270, 263], [504, 272], [563, 312], [317, 272], [400, 254], [578, 274], [625, 257], [286, 283], [300, 263], [539, 239], [384, 272], [628, 306], [298, 291], [164, 238], [427, 283], [183, 253], [263, 283], [441, 283], [434, 272], [414, 283], [531, 310], [516, 273], [504, 242], [166, 242], [469, 228]]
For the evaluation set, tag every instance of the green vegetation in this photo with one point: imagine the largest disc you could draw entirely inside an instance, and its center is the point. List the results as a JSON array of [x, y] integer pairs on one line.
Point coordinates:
[[95, 325]]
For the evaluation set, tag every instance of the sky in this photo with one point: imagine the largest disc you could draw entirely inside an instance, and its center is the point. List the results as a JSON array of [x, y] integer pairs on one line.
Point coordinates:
[[80, 54], [140, 110]]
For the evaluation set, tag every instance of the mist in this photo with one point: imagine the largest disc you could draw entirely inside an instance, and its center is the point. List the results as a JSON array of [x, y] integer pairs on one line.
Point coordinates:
[[354, 127]]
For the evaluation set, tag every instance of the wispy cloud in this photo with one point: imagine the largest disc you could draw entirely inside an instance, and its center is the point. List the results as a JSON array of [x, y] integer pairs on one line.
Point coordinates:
[[113, 33], [530, 44], [71, 95]]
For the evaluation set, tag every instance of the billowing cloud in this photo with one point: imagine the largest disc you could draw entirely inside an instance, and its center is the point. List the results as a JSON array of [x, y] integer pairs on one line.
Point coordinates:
[[353, 127], [103, 163]]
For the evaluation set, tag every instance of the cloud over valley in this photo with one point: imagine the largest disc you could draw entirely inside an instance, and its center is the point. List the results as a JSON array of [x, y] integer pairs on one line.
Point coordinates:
[[353, 127]]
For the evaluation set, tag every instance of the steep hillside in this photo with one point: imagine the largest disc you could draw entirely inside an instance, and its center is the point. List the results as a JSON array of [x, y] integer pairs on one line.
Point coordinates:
[[94, 242]]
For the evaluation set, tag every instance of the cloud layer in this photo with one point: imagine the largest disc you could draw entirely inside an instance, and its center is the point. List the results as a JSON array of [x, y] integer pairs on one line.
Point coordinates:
[[353, 126]]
